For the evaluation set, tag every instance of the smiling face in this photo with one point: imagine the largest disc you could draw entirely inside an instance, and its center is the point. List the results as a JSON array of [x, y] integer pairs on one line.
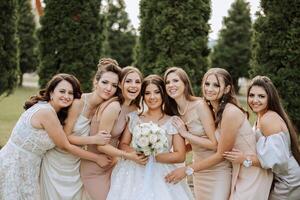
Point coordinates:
[[174, 86], [152, 97], [258, 99], [107, 85], [131, 86], [213, 88], [62, 95]]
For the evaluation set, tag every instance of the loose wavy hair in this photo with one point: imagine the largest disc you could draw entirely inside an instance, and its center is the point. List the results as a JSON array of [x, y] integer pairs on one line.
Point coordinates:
[[44, 94], [275, 105]]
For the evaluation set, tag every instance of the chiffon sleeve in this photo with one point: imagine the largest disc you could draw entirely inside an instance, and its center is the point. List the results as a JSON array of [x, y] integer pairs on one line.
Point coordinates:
[[132, 119], [273, 152], [170, 128]]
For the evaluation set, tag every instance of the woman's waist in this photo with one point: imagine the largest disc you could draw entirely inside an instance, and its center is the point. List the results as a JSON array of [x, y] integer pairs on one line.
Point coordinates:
[[27, 149]]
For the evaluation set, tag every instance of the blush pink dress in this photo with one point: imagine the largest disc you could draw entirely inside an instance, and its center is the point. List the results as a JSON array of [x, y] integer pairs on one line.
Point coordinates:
[[96, 180], [212, 183], [252, 183]]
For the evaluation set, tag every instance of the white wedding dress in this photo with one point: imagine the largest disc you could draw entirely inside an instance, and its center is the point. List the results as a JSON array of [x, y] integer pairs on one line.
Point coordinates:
[[130, 181], [20, 158]]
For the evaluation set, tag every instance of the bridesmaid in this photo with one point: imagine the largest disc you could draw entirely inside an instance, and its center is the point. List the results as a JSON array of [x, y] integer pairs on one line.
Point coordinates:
[[196, 116], [37, 130], [111, 117], [60, 177], [218, 90], [277, 146]]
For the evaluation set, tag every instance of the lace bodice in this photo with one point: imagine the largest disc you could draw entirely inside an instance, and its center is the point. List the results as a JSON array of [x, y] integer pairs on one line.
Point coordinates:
[[20, 158], [29, 138]]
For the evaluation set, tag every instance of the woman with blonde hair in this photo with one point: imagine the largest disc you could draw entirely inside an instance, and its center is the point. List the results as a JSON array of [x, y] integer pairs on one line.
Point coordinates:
[[233, 131], [111, 117], [194, 114], [60, 177]]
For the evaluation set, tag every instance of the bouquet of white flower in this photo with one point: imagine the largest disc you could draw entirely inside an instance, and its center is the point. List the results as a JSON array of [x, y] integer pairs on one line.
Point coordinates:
[[149, 138]]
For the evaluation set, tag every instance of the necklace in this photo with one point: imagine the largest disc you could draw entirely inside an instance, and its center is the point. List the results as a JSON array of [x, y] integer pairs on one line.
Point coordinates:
[[185, 109]]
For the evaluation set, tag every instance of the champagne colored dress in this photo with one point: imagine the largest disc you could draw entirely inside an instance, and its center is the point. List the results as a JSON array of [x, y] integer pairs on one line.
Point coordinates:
[[212, 183], [251, 183], [20, 158], [60, 177], [274, 152], [96, 180]]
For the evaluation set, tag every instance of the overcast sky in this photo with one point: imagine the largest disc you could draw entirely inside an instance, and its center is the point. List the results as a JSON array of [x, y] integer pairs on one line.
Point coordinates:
[[219, 10]]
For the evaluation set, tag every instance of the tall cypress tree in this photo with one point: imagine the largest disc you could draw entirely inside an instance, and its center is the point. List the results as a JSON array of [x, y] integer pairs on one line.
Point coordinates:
[[120, 35], [27, 42], [70, 40], [174, 33], [233, 49], [8, 50], [276, 50]]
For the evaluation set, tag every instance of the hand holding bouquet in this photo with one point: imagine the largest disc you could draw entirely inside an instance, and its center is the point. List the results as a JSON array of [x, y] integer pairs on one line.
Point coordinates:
[[149, 138]]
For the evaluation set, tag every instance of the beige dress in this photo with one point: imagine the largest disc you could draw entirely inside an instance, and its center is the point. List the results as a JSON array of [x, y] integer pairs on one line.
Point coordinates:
[[60, 178], [252, 183], [96, 180], [212, 183]]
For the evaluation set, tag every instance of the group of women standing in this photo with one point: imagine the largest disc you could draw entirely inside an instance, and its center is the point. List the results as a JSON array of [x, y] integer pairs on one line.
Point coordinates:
[[68, 145]]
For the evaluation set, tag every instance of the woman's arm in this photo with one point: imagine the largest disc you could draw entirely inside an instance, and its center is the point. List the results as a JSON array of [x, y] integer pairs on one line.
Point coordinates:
[[207, 121], [178, 154], [229, 130], [47, 119], [108, 119], [238, 157], [125, 140], [270, 123]]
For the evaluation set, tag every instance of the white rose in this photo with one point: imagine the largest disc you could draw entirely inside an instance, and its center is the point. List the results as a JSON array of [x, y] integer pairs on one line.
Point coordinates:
[[159, 145], [143, 141], [153, 138]]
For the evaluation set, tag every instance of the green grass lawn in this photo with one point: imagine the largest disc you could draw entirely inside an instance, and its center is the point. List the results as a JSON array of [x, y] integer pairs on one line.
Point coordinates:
[[11, 108]]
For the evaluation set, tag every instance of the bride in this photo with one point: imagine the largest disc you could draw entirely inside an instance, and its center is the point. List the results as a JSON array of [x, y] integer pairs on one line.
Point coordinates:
[[132, 180]]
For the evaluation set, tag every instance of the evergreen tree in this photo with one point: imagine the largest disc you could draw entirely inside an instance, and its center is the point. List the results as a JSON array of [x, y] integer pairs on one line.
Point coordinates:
[[70, 40], [174, 33], [276, 50], [233, 49], [120, 35], [27, 42], [8, 50]]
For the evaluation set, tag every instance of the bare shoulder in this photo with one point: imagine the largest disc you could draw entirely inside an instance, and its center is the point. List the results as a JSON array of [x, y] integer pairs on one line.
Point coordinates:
[[113, 107], [76, 105], [232, 111], [199, 104], [42, 117], [271, 123]]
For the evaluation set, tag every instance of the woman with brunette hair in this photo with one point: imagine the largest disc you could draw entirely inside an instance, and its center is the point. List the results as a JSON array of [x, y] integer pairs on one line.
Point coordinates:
[[277, 146], [218, 90], [38, 129], [60, 177], [111, 117], [195, 115], [130, 179]]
